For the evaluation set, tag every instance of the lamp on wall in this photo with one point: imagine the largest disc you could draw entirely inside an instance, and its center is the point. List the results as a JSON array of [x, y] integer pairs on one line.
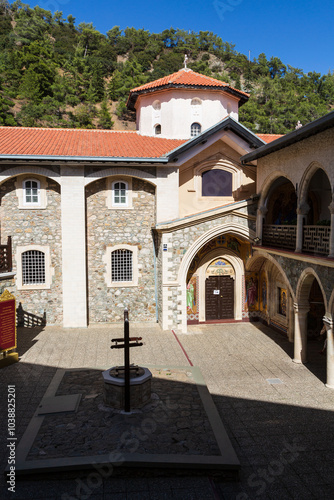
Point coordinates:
[[256, 240]]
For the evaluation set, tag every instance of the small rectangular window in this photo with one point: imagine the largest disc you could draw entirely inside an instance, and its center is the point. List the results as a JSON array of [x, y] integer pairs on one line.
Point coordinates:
[[33, 267], [121, 265]]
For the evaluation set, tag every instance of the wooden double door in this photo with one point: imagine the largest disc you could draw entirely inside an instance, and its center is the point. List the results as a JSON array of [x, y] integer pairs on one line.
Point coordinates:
[[219, 298]]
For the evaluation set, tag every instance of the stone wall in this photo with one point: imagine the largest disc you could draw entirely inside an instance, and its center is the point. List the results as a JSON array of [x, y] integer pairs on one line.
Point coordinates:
[[108, 227], [294, 269], [39, 227]]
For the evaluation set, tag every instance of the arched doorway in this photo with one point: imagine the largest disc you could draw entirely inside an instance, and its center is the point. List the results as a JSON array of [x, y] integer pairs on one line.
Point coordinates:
[[216, 280], [219, 290]]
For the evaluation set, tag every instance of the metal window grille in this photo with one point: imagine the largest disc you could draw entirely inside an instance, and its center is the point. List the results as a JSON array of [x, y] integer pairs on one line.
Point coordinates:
[[33, 267], [31, 191], [120, 193], [195, 129], [121, 265]]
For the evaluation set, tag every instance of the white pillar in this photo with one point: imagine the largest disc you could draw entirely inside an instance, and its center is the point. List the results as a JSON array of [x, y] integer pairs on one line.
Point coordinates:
[[291, 320], [331, 239], [300, 345], [330, 352], [73, 223], [302, 211]]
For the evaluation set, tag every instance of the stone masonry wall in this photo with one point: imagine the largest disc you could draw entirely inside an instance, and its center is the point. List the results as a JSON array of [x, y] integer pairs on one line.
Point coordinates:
[[109, 227], [183, 238], [39, 227]]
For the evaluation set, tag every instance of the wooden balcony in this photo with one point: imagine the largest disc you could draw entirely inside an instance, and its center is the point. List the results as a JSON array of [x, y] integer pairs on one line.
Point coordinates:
[[316, 239], [279, 236], [6, 256]]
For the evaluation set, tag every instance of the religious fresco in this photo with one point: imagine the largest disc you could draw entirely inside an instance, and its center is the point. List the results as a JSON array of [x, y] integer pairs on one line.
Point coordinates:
[[252, 292], [282, 301], [220, 267], [263, 292], [192, 300], [239, 247]]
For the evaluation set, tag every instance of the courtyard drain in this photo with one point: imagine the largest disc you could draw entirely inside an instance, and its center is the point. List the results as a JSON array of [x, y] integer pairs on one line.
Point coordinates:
[[274, 381]]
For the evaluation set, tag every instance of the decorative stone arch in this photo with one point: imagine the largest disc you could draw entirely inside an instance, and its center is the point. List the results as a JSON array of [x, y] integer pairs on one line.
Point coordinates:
[[267, 184], [306, 178], [263, 254], [233, 229], [121, 172], [237, 263], [304, 285], [29, 170]]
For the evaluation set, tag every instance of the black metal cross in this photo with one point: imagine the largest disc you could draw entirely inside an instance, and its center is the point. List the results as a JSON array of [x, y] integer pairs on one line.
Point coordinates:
[[126, 346]]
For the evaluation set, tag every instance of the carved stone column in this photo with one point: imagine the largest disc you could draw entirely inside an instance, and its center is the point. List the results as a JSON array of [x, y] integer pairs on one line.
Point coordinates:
[[302, 211], [330, 352], [261, 213], [331, 239], [300, 345]]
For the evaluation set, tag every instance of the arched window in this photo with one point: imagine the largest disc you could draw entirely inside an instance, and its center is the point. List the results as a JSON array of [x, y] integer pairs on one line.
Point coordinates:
[[157, 129], [121, 265], [33, 267], [195, 129], [217, 182], [120, 193], [196, 101], [31, 192]]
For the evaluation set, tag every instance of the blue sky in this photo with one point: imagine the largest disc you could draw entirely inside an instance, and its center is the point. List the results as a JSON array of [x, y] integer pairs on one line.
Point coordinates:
[[299, 32]]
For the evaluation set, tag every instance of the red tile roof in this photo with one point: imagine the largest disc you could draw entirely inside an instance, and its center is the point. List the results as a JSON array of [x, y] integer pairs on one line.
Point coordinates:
[[186, 77], [269, 137], [84, 143]]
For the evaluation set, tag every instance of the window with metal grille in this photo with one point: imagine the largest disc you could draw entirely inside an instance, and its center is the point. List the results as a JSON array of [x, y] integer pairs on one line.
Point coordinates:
[[31, 192], [120, 191], [121, 265], [195, 129], [33, 267]]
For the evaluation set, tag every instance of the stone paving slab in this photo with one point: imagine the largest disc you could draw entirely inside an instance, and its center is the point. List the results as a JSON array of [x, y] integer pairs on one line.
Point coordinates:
[[282, 434], [180, 427]]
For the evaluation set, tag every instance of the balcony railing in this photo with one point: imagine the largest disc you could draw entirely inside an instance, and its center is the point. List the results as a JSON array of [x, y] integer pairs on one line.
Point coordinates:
[[279, 236], [6, 256], [316, 239]]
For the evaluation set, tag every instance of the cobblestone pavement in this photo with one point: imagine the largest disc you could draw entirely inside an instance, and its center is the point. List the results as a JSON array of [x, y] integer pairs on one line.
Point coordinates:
[[279, 415]]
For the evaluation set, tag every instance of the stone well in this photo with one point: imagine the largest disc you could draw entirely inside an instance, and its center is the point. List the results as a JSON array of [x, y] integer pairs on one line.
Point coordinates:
[[140, 387]]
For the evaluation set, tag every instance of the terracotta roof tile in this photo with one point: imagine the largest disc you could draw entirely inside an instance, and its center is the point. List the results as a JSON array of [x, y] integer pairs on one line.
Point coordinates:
[[186, 77], [84, 143], [269, 137]]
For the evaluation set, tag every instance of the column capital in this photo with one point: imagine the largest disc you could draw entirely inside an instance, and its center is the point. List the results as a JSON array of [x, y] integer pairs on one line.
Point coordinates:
[[303, 209], [262, 210], [328, 322], [301, 308], [331, 208]]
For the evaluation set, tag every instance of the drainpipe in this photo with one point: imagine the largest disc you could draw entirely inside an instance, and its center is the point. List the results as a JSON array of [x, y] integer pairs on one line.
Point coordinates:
[[155, 280]]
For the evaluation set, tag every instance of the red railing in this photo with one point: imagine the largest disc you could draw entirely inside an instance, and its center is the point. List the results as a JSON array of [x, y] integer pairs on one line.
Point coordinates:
[[6, 256]]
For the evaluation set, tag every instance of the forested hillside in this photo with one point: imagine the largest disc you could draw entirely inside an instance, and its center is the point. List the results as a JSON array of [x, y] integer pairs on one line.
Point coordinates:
[[56, 74]]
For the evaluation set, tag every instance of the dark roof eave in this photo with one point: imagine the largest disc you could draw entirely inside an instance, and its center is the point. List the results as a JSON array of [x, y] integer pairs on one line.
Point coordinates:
[[90, 159], [226, 124], [134, 95], [300, 134]]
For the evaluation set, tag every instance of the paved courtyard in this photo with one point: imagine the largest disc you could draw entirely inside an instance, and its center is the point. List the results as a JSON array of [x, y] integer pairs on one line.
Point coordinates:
[[278, 415]]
